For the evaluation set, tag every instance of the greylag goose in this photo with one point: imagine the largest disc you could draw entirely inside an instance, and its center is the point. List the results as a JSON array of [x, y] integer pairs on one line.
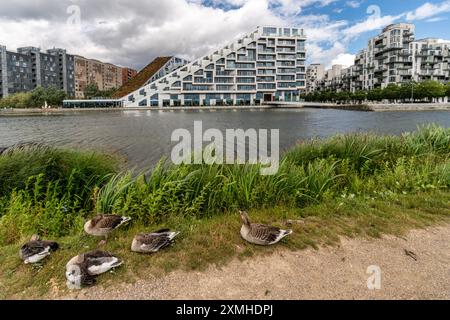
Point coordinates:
[[261, 234], [84, 268], [153, 242], [36, 250], [102, 225]]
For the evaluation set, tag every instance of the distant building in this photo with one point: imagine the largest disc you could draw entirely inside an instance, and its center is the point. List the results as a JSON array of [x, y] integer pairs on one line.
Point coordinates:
[[128, 74], [393, 56], [29, 68], [431, 60], [314, 73], [90, 71]]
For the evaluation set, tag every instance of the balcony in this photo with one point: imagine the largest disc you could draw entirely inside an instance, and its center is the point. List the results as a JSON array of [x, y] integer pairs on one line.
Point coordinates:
[[245, 59], [225, 73]]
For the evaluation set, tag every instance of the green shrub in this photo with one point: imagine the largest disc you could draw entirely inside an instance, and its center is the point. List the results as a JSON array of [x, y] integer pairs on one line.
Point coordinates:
[[52, 191]]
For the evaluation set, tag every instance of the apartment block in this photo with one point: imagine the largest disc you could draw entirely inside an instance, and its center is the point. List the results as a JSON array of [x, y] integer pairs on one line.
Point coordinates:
[[314, 73], [128, 74], [431, 58], [394, 56], [265, 65], [29, 68], [90, 71]]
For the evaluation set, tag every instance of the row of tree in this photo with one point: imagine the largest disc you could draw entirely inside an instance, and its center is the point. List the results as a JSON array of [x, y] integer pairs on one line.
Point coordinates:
[[92, 91], [408, 92], [39, 97]]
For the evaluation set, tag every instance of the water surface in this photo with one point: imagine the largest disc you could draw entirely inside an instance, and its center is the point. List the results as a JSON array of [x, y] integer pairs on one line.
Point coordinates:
[[143, 137]]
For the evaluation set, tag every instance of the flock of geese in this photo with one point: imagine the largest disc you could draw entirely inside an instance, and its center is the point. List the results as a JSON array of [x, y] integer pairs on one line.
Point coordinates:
[[83, 269]]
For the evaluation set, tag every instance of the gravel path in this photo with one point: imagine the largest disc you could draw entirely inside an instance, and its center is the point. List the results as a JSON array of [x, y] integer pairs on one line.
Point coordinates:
[[414, 267]]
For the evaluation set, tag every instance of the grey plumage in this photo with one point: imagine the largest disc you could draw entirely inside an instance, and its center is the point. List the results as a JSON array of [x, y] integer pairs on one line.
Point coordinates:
[[153, 242], [36, 250], [83, 269], [104, 224], [261, 234]]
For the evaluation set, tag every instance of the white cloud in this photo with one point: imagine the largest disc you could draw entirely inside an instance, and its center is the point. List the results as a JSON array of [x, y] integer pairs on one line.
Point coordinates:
[[353, 4], [436, 19], [428, 10], [131, 33], [344, 59], [370, 24]]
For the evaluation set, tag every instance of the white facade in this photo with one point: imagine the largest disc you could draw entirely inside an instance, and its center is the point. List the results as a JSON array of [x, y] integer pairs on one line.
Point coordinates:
[[394, 56], [314, 73], [265, 65], [431, 60]]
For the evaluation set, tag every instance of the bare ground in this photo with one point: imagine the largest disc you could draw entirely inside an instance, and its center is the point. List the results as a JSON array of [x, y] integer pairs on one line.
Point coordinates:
[[329, 273]]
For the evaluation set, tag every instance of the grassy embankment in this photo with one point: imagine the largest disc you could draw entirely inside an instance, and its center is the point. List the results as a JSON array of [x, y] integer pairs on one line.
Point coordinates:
[[354, 185]]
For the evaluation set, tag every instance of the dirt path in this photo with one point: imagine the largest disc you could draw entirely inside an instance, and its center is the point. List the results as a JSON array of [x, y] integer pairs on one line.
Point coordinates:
[[330, 273]]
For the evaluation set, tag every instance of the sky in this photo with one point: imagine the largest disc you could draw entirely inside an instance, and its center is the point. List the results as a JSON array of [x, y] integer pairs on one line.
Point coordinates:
[[133, 32]]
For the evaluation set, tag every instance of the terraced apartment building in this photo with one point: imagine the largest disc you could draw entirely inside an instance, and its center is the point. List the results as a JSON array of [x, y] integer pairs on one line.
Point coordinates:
[[156, 69], [393, 56], [265, 65], [30, 67]]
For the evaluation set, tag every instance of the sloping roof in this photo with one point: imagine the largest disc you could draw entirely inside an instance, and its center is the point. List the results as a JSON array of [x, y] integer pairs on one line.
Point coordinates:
[[142, 77]]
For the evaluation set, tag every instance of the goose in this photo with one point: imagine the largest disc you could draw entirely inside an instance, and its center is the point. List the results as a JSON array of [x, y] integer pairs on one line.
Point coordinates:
[[261, 234], [36, 250], [102, 225], [82, 269], [153, 242]]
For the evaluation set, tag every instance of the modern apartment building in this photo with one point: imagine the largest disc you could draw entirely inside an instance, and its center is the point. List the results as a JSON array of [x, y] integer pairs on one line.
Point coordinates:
[[90, 71], [265, 65], [394, 56], [128, 74], [314, 73], [29, 68], [431, 60], [156, 69]]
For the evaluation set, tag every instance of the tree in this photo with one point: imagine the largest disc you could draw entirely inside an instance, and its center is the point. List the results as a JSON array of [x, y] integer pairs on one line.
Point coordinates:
[[447, 93], [375, 95], [391, 92], [91, 91], [407, 91], [360, 96], [432, 89], [38, 97], [342, 96], [55, 97]]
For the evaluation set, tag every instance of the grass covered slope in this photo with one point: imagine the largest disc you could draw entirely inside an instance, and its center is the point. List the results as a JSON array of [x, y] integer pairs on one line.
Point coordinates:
[[353, 185]]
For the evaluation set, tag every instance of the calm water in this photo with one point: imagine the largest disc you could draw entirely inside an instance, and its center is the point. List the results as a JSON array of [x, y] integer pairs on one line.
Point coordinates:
[[143, 137]]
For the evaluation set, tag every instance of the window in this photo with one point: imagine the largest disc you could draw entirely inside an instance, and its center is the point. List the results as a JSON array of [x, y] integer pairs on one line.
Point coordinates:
[[269, 31], [246, 88]]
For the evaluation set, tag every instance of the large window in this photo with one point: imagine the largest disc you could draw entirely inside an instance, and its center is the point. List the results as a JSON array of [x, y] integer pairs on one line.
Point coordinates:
[[267, 31]]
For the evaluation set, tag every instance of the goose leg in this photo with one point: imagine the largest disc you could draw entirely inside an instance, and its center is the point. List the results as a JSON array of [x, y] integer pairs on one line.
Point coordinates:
[[103, 242]]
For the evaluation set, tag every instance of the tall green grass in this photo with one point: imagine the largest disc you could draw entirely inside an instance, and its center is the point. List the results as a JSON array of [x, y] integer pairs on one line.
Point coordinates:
[[51, 191]]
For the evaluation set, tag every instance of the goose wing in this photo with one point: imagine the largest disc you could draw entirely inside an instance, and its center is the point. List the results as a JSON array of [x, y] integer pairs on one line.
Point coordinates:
[[98, 262], [108, 221], [155, 241], [265, 233], [37, 247]]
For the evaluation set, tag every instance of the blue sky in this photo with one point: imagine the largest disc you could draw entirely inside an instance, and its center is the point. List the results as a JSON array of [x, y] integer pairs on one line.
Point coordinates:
[[436, 26], [132, 33], [432, 18]]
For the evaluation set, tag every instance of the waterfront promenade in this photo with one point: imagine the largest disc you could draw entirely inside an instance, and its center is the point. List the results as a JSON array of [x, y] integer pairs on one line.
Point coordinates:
[[378, 107]]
